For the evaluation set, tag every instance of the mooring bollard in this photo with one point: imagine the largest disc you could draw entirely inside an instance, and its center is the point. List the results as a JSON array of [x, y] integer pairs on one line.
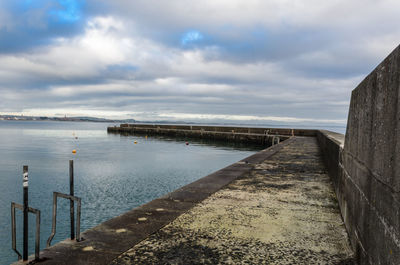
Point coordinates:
[[25, 201], [71, 201]]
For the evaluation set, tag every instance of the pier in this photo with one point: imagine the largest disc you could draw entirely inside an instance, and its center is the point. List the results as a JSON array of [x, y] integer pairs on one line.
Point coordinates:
[[283, 211], [278, 204]]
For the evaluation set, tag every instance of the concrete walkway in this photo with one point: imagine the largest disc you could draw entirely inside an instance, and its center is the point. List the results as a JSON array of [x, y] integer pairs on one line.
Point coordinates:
[[283, 211]]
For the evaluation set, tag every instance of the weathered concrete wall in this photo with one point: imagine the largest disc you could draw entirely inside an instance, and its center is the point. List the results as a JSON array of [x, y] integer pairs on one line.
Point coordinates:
[[259, 136], [228, 129], [367, 173], [331, 144], [371, 164]]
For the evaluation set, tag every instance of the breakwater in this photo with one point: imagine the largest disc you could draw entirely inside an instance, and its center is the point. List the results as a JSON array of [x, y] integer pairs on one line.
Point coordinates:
[[260, 136]]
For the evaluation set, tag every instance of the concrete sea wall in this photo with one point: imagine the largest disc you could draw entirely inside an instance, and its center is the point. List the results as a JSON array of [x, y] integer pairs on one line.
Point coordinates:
[[261, 136], [365, 166]]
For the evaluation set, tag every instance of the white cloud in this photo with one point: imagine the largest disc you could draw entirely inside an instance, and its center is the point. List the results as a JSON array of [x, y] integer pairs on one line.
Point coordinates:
[[272, 13], [188, 116], [280, 60]]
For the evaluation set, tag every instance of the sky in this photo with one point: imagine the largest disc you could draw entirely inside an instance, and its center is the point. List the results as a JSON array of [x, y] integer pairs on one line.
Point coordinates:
[[253, 61]]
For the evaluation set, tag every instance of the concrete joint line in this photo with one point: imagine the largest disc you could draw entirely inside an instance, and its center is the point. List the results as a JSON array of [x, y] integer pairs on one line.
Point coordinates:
[[375, 175], [388, 228]]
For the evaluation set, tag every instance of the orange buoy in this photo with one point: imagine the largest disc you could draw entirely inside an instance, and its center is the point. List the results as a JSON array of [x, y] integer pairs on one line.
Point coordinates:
[[135, 142], [74, 151]]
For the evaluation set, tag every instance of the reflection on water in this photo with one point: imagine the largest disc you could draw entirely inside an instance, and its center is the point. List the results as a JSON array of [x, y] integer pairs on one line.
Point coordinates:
[[63, 133], [112, 174]]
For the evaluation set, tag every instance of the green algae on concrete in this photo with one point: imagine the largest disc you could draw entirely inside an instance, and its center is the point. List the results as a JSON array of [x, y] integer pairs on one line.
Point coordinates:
[[283, 212]]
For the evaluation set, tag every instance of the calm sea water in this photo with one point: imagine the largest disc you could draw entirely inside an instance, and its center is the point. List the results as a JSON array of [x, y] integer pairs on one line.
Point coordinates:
[[112, 174]]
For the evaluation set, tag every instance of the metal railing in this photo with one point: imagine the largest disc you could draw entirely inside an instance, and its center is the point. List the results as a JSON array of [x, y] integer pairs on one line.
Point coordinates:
[[72, 198], [25, 209], [75, 234], [54, 222], [275, 140], [14, 232]]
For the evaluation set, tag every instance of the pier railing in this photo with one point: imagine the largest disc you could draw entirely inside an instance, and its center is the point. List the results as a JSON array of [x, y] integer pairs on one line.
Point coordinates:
[[26, 209]]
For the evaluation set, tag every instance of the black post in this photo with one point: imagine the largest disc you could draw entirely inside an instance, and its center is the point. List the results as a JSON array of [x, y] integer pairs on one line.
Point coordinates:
[[71, 192], [25, 186]]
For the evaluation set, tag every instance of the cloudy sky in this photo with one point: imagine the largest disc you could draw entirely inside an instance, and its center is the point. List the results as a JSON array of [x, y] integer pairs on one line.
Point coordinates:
[[268, 61]]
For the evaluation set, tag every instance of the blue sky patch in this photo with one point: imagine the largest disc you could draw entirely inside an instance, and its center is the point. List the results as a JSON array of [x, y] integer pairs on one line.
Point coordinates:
[[191, 36], [68, 11]]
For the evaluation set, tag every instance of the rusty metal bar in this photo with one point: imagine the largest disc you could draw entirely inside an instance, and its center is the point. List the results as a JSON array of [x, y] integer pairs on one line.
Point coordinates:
[[78, 220], [54, 220], [37, 237]]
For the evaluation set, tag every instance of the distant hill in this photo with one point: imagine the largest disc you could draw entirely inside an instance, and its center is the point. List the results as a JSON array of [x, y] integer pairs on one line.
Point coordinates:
[[44, 118]]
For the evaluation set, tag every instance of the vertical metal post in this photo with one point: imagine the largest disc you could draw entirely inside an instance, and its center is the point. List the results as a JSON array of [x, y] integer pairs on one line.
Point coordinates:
[[78, 221], [71, 192], [54, 223], [14, 231], [37, 237], [13, 227], [54, 219], [25, 209]]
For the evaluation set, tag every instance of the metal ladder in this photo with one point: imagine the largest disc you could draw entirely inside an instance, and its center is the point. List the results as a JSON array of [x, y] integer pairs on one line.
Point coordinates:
[[26, 209]]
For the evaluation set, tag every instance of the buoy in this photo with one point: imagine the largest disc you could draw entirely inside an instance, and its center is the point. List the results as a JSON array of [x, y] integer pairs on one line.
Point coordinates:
[[145, 137], [135, 142], [74, 151], [187, 143]]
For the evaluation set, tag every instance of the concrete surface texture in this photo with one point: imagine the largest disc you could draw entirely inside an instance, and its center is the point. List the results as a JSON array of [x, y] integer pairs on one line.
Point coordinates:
[[331, 145], [283, 211], [369, 181]]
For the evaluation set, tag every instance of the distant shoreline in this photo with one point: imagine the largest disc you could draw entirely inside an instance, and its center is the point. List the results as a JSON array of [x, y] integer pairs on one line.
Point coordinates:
[[333, 127], [74, 119]]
